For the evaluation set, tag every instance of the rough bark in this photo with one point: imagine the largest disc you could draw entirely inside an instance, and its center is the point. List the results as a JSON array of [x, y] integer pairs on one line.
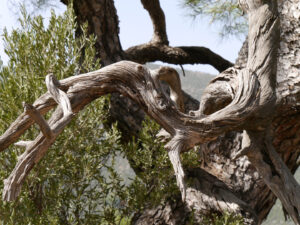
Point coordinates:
[[128, 78], [285, 123], [102, 20], [218, 159], [170, 212], [132, 80], [250, 109], [239, 175]]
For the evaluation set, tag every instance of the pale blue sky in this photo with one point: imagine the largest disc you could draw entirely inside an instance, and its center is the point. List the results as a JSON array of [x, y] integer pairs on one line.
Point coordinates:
[[136, 28]]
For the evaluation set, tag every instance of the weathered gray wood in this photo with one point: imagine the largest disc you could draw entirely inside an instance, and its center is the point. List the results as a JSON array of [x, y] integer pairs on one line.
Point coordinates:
[[36, 149], [39, 119], [263, 43], [23, 144], [58, 95], [174, 149], [149, 94]]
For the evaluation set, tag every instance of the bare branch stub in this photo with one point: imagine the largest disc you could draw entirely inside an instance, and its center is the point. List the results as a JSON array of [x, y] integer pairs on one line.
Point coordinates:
[[24, 121], [58, 95], [39, 119]]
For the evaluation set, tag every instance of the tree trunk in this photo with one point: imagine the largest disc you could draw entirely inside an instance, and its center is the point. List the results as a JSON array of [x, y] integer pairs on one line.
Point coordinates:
[[102, 19], [239, 176], [103, 22]]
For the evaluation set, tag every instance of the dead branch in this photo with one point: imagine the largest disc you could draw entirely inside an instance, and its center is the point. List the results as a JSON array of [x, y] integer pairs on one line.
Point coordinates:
[[143, 86]]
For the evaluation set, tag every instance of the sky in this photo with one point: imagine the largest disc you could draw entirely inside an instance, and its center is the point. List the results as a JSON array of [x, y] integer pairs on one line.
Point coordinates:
[[136, 28]]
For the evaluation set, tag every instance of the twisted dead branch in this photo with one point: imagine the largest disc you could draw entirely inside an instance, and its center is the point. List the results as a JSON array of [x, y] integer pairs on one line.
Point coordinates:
[[138, 83]]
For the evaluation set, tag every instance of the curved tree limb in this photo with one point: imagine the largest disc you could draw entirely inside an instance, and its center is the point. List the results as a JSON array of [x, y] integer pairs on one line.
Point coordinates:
[[150, 52], [39, 119], [108, 44], [262, 58]]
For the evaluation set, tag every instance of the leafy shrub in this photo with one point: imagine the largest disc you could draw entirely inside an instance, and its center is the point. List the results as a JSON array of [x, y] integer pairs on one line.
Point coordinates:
[[76, 182]]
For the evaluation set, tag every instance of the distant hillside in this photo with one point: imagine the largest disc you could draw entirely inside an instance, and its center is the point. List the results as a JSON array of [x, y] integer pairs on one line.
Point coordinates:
[[193, 82]]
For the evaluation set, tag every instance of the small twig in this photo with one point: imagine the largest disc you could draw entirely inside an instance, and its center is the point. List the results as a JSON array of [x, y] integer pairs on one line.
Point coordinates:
[[183, 72], [23, 144]]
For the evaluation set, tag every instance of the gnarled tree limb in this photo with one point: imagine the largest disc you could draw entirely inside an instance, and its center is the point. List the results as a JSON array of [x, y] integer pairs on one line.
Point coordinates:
[[39, 119], [176, 55], [138, 83]]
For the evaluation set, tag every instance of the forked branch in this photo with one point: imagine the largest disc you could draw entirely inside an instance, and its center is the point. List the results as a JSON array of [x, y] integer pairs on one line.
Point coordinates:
[[36, 149], [158, 48]]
